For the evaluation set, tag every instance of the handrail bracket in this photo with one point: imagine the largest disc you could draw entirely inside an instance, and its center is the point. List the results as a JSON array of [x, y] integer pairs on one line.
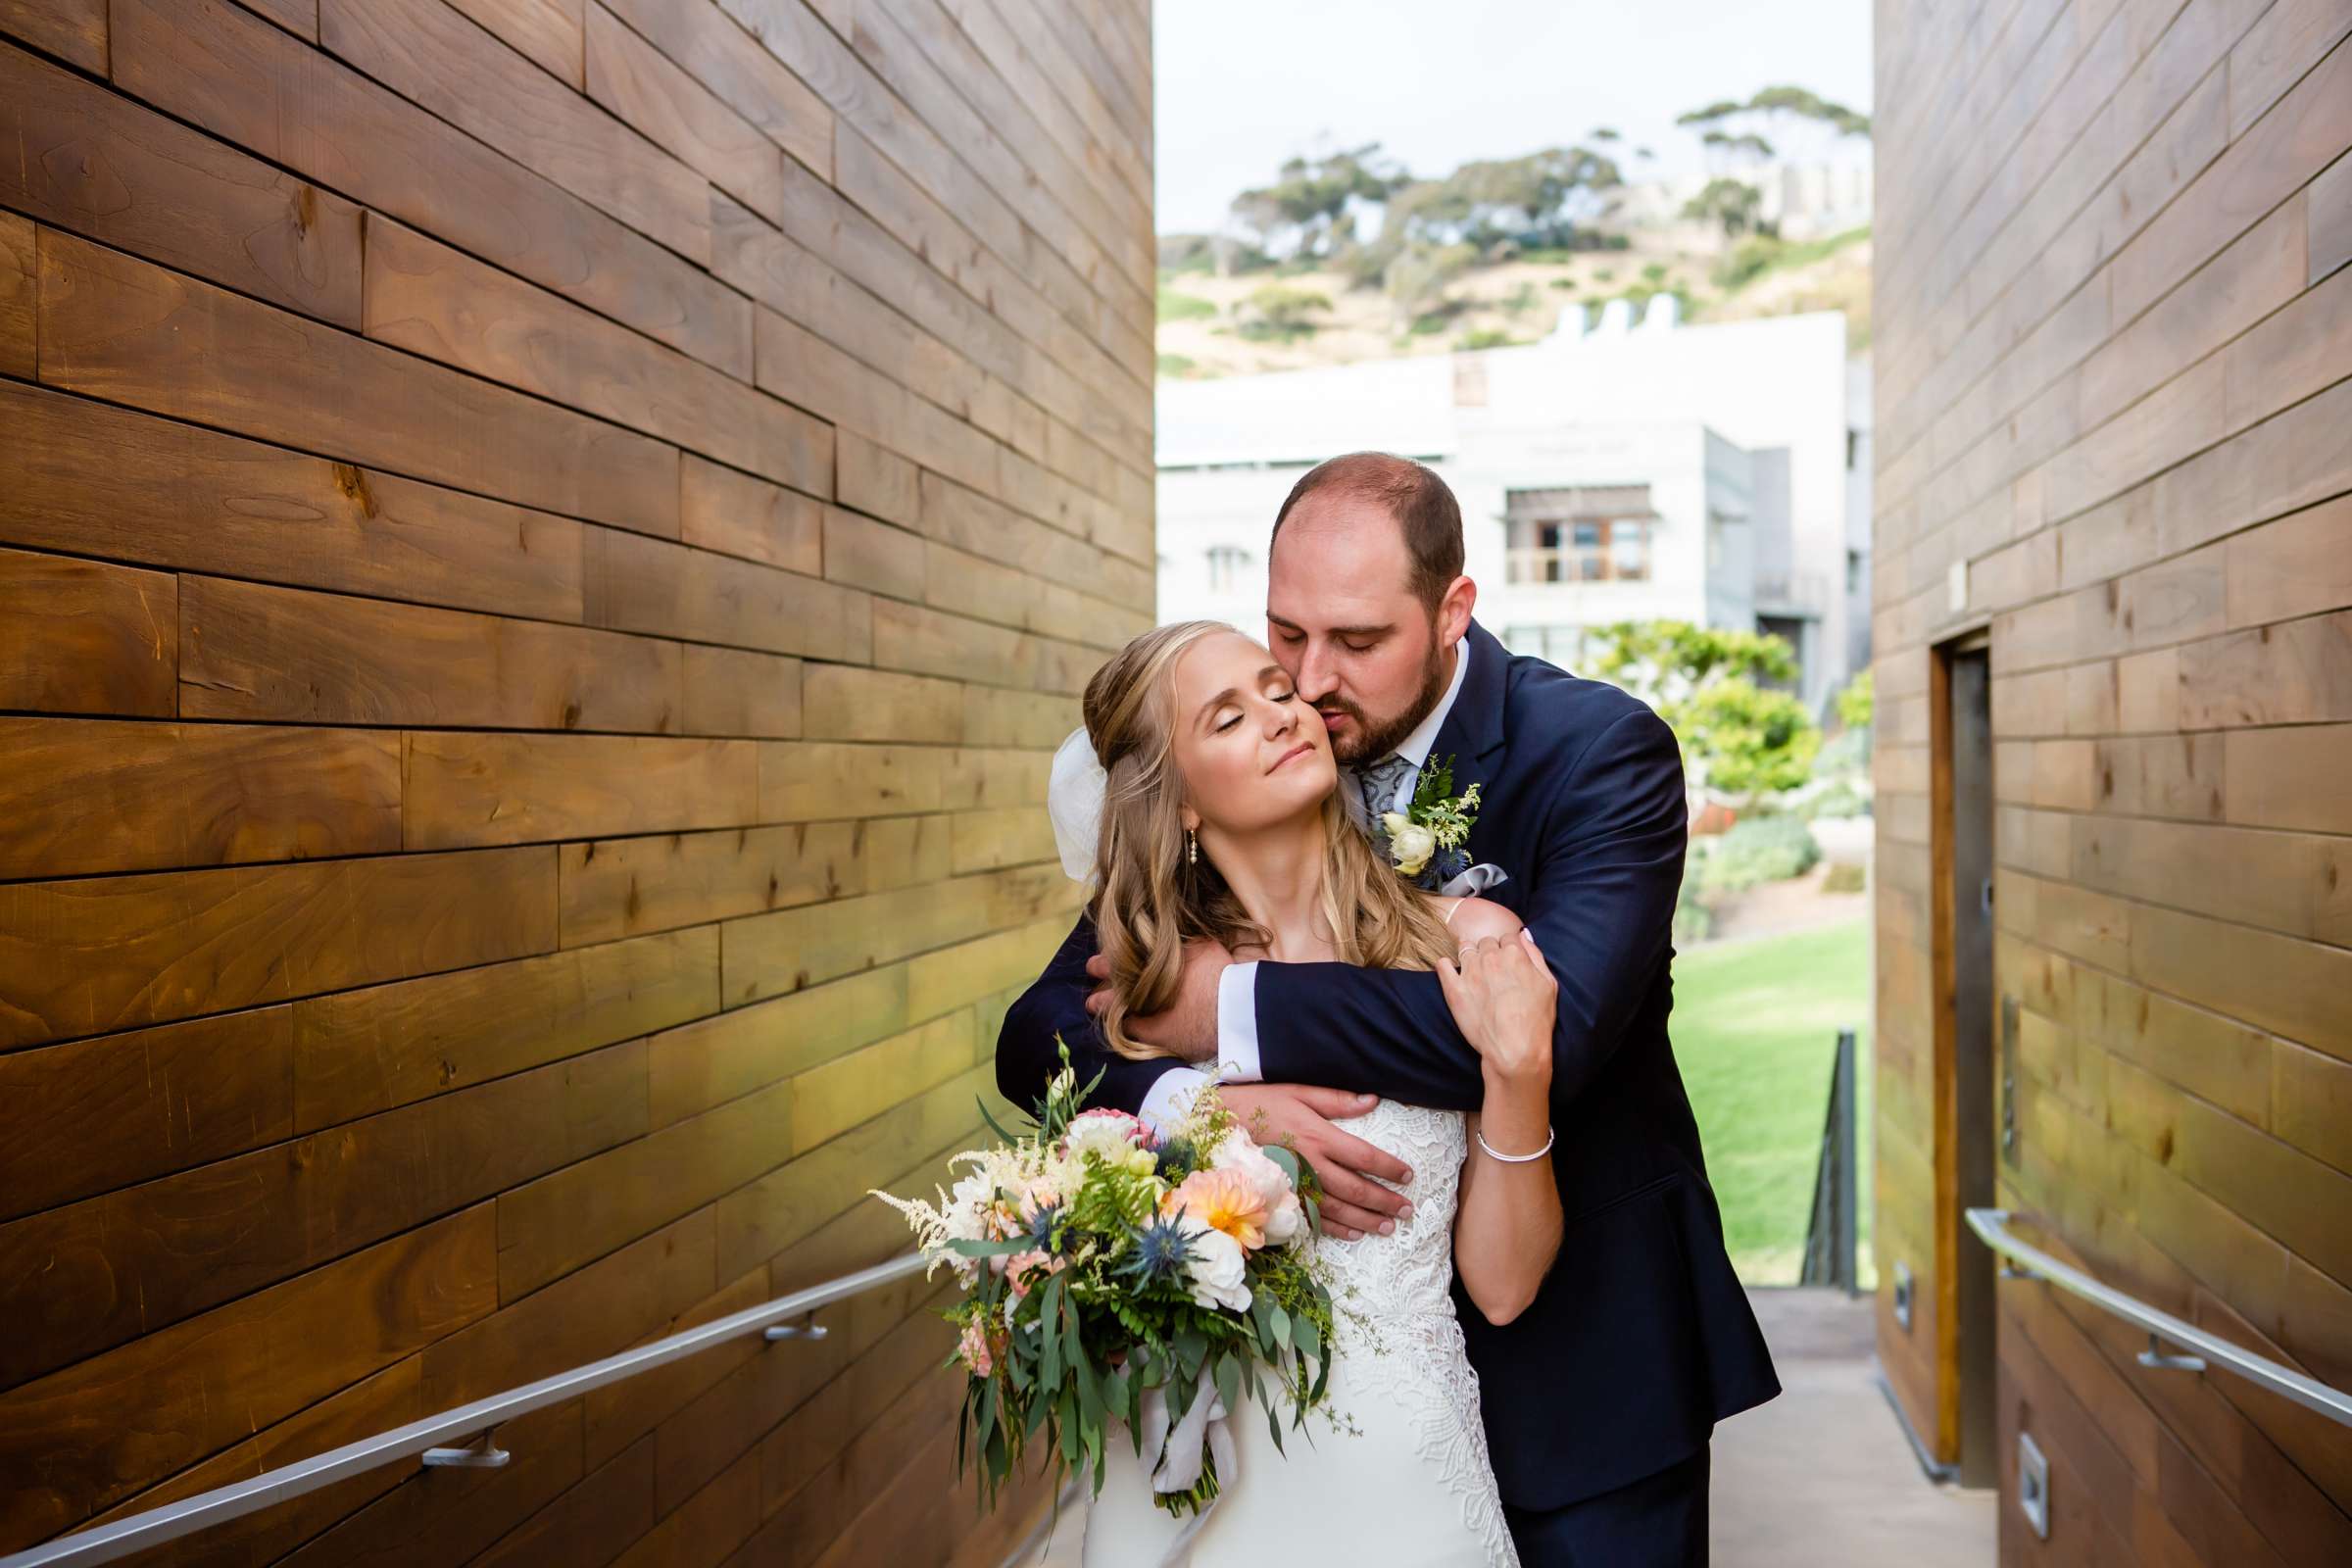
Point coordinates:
[[482, 1454], [807, 1328], [2156, 1356]]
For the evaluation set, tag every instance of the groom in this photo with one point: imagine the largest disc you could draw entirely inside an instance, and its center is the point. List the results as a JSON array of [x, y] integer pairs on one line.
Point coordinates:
[[1601, 1397]]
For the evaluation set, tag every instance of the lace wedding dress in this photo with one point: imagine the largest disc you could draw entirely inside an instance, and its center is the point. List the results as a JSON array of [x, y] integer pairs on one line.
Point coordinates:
[[1393, 1468]]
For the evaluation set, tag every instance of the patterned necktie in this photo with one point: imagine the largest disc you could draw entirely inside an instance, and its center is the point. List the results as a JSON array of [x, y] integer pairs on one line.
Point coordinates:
[[1379, 783]]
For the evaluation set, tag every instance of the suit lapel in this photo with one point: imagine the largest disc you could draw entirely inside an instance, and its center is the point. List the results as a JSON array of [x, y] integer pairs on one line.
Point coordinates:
[[1473, 726], [1472, 735]]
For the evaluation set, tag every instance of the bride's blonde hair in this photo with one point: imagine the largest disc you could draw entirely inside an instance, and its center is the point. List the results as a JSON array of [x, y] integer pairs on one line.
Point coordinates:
[[1155, 898]]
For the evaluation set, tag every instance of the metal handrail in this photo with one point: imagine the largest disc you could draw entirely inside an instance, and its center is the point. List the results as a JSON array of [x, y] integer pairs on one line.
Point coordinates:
[[1991, 1226], [479, 1420]]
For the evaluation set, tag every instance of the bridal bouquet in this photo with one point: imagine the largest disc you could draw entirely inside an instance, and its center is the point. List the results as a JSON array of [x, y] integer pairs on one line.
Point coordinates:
[[1113, 1277]]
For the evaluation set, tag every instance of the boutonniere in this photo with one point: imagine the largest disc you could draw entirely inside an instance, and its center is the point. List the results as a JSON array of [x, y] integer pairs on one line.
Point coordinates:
[[1434, 826]]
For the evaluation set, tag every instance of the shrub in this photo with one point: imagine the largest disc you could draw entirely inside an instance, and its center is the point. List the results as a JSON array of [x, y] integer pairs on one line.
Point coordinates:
[[1844, 877], [1750, 260], [1759, 850], [1845, 754], [1175, 365], [1175, 306], [1836, 803], [1487, 337], [1278, 314]]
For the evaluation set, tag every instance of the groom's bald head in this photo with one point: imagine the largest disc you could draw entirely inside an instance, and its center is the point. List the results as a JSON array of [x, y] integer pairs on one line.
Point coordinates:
[[1408, 493]]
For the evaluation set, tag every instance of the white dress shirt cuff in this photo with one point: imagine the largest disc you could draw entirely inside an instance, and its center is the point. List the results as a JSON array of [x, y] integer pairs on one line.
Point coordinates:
[[1237, 1025], [1168, 1100]]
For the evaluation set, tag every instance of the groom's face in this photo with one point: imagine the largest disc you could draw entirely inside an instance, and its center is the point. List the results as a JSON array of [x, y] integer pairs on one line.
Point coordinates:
[[1343, 619]]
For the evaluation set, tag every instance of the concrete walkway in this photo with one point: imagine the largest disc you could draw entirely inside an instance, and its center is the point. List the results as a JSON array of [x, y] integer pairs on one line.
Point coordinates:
[[1820, 1478], [1823, 1476]]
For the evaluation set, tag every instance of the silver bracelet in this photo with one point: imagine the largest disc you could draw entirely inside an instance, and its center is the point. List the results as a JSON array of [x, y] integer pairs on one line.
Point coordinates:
[[1549, 1137]]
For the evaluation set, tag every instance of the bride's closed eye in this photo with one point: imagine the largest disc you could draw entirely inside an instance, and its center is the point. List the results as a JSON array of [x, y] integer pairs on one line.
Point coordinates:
[[1234, 717]]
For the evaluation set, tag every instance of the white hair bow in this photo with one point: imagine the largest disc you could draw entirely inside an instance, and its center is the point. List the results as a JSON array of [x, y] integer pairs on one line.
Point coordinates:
[[1074, 800]]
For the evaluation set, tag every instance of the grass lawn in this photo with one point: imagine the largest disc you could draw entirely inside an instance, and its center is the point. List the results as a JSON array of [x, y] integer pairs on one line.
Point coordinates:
[[1755, 1028]]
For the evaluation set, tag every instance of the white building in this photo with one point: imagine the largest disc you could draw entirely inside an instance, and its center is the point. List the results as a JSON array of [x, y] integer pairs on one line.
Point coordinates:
[[1636, 472]]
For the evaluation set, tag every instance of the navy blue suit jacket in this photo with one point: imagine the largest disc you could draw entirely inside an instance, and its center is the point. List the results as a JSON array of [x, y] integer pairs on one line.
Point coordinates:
[[1641, 1338]]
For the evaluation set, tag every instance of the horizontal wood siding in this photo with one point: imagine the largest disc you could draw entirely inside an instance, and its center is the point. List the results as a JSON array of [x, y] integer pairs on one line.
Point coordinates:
[[2115, 331], [545, 547]]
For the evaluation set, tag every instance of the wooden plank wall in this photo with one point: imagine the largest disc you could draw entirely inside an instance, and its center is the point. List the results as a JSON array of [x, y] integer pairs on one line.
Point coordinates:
[[2115, 337], [544, 548]]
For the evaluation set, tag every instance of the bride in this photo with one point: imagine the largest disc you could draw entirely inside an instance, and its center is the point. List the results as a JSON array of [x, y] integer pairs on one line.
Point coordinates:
[[1222, 820]]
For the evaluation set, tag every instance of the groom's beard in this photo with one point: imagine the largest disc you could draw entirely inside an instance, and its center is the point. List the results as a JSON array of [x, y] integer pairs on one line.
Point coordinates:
[[1371, 742]]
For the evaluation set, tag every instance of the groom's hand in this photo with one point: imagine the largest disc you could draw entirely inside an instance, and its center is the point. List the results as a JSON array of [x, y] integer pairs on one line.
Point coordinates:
[[1353, 1203], [1187, 1031]]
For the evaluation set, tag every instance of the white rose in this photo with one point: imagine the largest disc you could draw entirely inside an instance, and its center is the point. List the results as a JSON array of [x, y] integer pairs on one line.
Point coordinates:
[[966, 1206], [1284, 1218], [1111, 1139], [1219, 1272], [1411, 844]]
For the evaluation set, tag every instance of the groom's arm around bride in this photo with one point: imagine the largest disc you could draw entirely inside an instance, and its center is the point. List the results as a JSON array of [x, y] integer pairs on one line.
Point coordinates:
[[1585, 810]]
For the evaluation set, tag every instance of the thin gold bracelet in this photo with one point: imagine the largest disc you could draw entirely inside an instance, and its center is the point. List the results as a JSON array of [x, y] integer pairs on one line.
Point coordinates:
[[1550, 1136]]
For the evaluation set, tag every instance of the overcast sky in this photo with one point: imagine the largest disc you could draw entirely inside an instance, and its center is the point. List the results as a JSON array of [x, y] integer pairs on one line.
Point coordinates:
[[1242, 84]]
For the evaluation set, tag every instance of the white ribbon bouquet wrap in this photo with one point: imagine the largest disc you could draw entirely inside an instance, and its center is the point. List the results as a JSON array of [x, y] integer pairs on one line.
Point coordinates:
[[1205, 1432]]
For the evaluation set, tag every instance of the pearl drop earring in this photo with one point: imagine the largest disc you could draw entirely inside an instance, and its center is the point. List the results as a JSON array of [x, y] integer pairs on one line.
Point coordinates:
[[1192, 847]]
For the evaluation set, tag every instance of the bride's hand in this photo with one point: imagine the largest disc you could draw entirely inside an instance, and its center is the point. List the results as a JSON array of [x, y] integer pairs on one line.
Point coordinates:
[[1503, 998]]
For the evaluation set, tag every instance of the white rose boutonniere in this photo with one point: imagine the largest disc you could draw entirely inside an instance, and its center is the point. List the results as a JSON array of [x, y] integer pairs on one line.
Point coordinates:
[[1411, 844], [1425, 841]]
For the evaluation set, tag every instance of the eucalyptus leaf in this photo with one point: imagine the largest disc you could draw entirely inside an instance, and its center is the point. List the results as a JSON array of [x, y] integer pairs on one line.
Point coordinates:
[[1229, 1382], [992, 1121]]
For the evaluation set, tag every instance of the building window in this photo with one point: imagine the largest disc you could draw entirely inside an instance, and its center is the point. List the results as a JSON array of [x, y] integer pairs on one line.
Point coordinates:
[[1585, 550], [1853, 571], [1579, 533], [1226, 566]]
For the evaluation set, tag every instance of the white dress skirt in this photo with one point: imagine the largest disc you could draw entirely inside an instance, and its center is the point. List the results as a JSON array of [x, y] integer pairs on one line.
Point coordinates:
[[1392, 1469]]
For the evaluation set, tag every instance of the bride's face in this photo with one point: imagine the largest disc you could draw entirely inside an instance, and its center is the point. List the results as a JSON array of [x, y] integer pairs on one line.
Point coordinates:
[[1251, 753]]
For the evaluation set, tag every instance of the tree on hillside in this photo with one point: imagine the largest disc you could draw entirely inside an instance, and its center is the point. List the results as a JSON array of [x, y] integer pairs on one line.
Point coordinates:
[[1740, 134], [1732, 205], [1307, 208], [1416, 277], [1743, 152], [1433, 229]]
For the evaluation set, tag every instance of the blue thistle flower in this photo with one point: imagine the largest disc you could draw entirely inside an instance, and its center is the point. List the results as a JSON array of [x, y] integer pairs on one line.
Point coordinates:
[[1176, 1159], [1041, 1229], [1162, 1249]]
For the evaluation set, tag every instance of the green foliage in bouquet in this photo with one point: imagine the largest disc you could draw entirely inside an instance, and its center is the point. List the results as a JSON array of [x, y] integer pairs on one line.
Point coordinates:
[[1102, 1268]]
